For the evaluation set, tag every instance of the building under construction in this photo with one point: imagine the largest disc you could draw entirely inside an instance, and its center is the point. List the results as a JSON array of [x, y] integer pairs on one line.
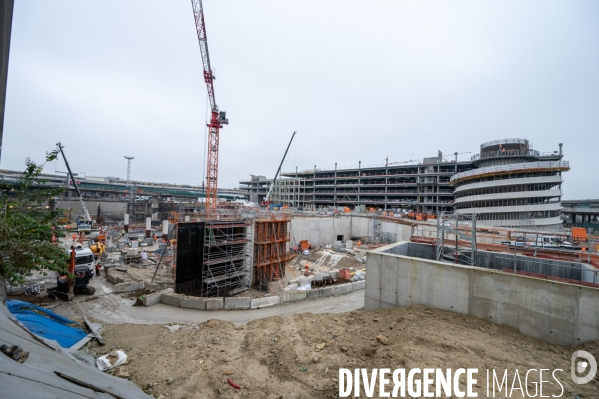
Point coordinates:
[[213, 255], [271, 238]]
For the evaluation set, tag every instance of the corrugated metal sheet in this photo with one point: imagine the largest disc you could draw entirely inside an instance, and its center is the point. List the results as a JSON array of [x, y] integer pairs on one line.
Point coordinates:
[[36, 377]]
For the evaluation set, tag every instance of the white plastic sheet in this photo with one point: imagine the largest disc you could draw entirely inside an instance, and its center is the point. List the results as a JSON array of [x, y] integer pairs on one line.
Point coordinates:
[[306, 287], [104, 364]]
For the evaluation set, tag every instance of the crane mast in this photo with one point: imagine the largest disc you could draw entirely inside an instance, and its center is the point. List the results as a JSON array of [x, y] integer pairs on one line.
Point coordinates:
[[217, 118]]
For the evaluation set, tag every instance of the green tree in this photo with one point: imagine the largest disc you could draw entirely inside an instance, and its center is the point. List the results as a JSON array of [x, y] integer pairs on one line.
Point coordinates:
[[27, 224]]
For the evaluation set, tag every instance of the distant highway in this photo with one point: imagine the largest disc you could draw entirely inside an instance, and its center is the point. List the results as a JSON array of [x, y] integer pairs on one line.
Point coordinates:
[[111, 186]]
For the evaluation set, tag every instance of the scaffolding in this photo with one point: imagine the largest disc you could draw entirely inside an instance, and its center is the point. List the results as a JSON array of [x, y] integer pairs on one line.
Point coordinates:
[[225, 264], [461, 227], [271, 237], [227, 254]]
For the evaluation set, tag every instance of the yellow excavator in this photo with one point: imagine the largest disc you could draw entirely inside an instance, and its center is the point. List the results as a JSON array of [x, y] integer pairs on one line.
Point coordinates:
[[98, 249], [99, 246]]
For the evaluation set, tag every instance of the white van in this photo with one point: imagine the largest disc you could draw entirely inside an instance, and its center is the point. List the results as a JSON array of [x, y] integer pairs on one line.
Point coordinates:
[[85, 261]]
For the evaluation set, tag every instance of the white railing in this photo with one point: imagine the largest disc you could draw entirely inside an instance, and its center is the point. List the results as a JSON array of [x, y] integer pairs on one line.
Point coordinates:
[[525, 166]]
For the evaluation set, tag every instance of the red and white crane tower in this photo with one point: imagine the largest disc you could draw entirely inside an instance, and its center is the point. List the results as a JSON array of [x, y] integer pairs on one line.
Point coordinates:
[[217, 118]]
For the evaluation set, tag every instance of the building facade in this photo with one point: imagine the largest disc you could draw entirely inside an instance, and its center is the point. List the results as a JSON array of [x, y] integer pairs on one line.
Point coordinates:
[[512, 185], [506, 183], [420, 187]]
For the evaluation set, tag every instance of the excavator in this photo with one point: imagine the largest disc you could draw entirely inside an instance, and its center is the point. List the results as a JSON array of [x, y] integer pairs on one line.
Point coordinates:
[[266, 202], [76, 279]]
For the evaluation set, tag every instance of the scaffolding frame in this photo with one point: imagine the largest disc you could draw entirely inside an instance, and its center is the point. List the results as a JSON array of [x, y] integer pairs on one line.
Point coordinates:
[[227, 252], [461, 227], [271, 235]]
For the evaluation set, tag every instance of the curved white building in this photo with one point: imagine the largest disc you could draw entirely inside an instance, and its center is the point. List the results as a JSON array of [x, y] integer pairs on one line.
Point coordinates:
[[512, 185]]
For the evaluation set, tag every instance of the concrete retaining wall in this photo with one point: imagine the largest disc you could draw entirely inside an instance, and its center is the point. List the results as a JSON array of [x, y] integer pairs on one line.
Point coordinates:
[[153, 299], [115, 208], [293, 296], [556, 312], [167, 297], [193, 302], [264, 302], [216, 303], [171, 299], [341, 289], [237, 303], [128, 286], [324, 230]]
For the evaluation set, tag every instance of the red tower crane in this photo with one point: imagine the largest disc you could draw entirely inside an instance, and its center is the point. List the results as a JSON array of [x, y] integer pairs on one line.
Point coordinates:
[[217, 118]]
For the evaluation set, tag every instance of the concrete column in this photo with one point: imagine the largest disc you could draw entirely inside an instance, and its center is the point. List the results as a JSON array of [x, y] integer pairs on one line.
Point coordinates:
[[386, 180], [165, 229], [148, 226], [359, 181], [126, 223], [155, 207], [314, 191], [335, 188]]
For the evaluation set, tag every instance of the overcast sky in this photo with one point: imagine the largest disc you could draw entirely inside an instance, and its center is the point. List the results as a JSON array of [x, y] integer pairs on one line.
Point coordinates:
[[357, 80]]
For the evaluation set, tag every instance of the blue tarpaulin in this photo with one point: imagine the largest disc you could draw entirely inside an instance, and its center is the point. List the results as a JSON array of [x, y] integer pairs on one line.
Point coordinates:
[[46, 323]]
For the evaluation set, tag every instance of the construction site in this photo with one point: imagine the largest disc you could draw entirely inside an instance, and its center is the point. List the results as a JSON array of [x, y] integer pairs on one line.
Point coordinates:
[[270, 289]]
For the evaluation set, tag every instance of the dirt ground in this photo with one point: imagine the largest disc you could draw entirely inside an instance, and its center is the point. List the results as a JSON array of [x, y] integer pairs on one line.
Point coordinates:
[[277, 357]]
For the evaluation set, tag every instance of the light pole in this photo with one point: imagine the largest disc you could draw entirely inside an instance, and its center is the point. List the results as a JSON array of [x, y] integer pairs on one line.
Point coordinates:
[[130, 210]]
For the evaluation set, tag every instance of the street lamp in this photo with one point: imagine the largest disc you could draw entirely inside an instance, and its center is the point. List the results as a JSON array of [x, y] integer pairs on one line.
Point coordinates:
[[128, 158]]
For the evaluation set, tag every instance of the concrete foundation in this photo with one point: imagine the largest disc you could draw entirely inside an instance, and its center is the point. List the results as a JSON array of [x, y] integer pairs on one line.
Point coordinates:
[[556, 312]]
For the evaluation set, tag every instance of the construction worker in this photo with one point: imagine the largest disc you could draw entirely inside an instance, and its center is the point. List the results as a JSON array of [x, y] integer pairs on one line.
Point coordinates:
[[98, 268], [122, 233], [74, 237]]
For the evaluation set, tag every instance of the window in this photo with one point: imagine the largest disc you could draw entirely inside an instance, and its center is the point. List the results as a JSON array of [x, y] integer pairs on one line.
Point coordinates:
[[80, 260]]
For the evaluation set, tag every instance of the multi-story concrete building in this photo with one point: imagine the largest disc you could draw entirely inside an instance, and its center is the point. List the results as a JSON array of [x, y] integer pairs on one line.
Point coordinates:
[[511, 185], [428, 186], [422, 187], [256, 188]]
